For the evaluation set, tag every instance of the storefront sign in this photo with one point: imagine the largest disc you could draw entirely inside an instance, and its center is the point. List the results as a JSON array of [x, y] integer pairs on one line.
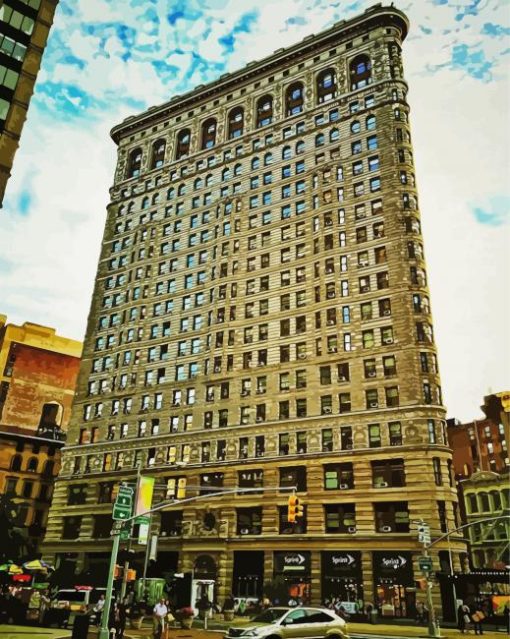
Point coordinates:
[[393, 564], [344, 563], [291, 562]]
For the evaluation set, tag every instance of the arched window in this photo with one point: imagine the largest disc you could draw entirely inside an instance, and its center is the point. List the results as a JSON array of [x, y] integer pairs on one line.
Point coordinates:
[[255, 163], [370, 122], [155, 198], [235, 123], [264, 111], [181, 190], [197, 184], [484, 502], [326, 86], [334, 135], [286, 153], [294, 99], [183, 142], [300, 147], [208, 179], [225, 174], [360, 71], [158, 154], [170, 194], [145, 203], [32, 465], [238, 169], [268, 159], [16, 462], [355, 127], [48, 468], [319, 139], [209, 133], [131, 206], [134, 163]]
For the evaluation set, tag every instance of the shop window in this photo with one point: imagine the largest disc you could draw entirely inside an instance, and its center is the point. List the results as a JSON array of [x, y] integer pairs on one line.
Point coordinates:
[[264, 111], [340, 518], [391, 517], [183, 144], [134, 163], [293, 476], [388, 474], [158, 154], [338, 476], [294, 99], [235, 123], [326, 86]]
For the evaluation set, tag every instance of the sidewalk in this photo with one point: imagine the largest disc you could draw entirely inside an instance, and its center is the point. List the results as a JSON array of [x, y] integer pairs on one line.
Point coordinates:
[[32, 632]]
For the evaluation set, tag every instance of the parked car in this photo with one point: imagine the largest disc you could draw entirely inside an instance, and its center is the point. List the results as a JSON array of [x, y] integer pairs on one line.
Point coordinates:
[[291, 623]]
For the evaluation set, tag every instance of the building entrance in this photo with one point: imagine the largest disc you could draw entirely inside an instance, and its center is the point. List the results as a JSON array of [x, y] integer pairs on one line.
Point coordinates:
[[248, 577], [394, 585]]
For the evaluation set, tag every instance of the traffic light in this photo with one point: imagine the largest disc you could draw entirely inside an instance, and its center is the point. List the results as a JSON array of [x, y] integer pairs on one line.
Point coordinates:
[[292, 509], [181, 488], [423, 533], [299, 508]]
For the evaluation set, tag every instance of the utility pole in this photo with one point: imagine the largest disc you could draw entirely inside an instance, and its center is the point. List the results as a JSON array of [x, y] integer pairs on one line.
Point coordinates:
[[425, 563]]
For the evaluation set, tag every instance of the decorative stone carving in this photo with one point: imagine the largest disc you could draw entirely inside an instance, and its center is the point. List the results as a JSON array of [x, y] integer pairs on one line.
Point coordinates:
[[412, 435]]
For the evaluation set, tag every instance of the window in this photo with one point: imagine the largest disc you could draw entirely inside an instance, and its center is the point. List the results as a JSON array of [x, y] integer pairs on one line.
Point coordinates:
[[326, 85], [287, 528], [391, 517], [183, 144], [395, 433], [235, 123], [294, 99], [134, 163], [338, 476], [71, 527], [249, 521], [293, 476], [438, 475], [374, 435], [264, 111], [340, 518], [158, 154], [388, 473], [360, 72]]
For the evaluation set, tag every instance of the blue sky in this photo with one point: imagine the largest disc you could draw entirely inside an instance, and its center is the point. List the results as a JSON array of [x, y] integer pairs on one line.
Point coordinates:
[[108, 59]]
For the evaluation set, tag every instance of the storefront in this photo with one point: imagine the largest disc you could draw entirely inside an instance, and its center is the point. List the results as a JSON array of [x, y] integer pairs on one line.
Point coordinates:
[[342, 577], [248, 574], [395, 594], [293, 570]]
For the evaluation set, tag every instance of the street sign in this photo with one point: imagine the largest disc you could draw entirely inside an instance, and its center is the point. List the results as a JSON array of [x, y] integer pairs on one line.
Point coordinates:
[[142, 519], [425, 564], [125, 534]]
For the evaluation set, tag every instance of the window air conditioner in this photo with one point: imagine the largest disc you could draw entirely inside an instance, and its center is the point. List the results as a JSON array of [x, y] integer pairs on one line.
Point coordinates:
[[374, 405], [386, 311], [245, 393], [332, 349], [371, 373], [385, 529], [244, 420], [115, 411], [261, 391], [302, 356], [365, 289], [327, 411], [351, 529], [363, 263], [164, 533], [259, 419], [331, 322], [342, 378], [344, 486], [382, 484], [388, 340]]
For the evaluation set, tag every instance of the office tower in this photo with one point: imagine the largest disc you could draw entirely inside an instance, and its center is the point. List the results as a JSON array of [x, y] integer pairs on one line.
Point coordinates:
[[261, 319], [24, 29]]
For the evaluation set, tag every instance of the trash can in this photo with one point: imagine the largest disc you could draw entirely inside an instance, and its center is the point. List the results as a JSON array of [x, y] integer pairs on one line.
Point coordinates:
[[81, 627]]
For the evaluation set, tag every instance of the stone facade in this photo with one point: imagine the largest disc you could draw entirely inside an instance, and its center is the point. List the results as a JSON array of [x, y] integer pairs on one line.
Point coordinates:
[[261, 318], [25, 28]]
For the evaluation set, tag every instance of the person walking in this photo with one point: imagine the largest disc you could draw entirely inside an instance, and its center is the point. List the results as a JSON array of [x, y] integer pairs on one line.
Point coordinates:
[[160, 612], [464, 618], [477, 617]]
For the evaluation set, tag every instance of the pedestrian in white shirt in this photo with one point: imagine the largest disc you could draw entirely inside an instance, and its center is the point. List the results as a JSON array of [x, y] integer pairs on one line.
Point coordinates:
[[160, 612]]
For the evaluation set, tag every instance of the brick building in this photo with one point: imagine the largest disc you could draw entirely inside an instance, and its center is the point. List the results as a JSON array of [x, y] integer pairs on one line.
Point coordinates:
[[38, 372]]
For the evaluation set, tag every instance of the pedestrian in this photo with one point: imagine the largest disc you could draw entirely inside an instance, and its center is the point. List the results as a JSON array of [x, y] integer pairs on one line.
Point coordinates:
[[120, 619], [98, 609], [463, 618], [477, 617], [43, 606], [241, 609], [160, 612], [506, 615]]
